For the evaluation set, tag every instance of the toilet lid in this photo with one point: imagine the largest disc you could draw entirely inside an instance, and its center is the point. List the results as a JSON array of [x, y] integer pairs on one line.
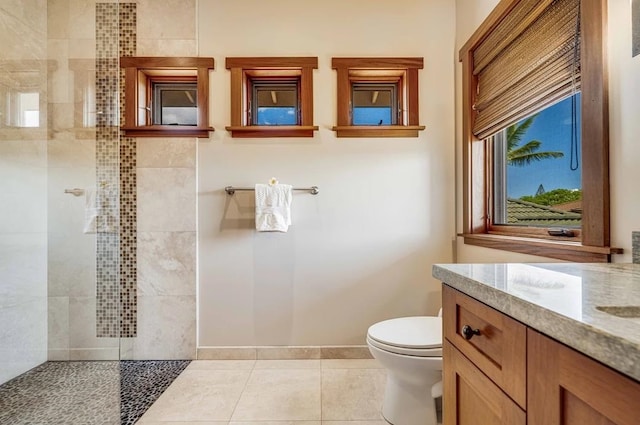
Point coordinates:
[[409, 332]]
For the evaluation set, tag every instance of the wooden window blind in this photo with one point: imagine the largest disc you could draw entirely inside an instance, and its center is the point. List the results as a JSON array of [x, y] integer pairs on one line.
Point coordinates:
[[528, 61]]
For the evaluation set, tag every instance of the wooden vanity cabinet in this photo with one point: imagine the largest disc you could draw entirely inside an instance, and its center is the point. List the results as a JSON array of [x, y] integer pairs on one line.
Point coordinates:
[[509, 374]]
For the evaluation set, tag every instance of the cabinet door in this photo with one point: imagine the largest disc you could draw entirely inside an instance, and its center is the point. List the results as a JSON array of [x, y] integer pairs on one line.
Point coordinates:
[[470, 398], [568, 388]]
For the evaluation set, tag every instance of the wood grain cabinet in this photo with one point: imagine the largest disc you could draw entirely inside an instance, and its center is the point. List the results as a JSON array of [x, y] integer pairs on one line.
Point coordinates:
[[497, 371]]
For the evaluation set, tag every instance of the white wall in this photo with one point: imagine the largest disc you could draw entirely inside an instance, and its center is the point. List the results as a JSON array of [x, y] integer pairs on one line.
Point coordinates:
[[624, 86], [361, 251]]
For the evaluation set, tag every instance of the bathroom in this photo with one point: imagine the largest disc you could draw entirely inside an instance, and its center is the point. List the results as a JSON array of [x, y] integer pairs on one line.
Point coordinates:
[[193, 278]]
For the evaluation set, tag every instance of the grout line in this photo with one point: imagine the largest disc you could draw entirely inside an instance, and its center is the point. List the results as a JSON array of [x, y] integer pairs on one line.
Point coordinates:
[[243, 390]]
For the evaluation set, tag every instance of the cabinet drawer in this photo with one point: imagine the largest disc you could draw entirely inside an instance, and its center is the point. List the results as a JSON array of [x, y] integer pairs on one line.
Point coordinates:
[[498, 349], [471, 398]]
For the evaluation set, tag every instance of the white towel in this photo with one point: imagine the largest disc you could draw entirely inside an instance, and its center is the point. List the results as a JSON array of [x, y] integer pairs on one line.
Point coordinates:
[[273, 207], [99, 216]]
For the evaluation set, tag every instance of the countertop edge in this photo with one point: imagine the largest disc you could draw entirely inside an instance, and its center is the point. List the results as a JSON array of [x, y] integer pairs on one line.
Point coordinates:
[[611, 350]]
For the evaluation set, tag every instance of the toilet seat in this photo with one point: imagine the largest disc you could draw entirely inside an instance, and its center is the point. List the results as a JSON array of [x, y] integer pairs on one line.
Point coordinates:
[[419, 336]]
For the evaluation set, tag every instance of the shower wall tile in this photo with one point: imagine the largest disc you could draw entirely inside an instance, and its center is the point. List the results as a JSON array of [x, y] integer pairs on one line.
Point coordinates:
[[167, 263], [154, 47], [58, 87], [55, 355], [58, 323], [23, 267], [71, 152], [94, 354], [166, 153], [82, 18], [166, 199], [20, 154], [58, 19], [166, 328], [83, 48], [23, 343], [166, 19], [82, 327], [24, 212], [72, 260]]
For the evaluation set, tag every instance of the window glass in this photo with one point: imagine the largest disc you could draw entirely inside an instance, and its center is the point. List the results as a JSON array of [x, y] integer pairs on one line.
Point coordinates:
[[537, 172], [275, 103], [175, 104], [374, 104]]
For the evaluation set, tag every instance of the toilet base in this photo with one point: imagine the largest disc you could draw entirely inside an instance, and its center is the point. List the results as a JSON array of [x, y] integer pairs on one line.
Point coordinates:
[[408, 403]]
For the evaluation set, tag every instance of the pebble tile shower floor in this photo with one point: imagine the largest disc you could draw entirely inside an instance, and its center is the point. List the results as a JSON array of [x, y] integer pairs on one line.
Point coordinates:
[[86, 393]]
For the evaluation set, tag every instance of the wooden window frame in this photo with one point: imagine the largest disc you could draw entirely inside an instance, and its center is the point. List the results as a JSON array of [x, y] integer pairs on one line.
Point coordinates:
[[141, 72], [593, 242], [245, 69], [362, 70]]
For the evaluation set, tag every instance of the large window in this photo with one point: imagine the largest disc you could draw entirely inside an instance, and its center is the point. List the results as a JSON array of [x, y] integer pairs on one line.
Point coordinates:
[[536, 170], [524, 70]]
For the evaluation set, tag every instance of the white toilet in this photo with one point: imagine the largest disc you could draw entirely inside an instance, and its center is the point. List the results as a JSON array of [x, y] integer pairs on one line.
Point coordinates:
[[410, 348]]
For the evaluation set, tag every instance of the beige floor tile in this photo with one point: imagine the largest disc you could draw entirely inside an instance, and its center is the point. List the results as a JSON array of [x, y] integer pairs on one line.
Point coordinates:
[[221, 365], [280, 395], [352, 394], [199, 395], [275, 423], [181, 423], [351, 364], [381, 422], [287, 364]]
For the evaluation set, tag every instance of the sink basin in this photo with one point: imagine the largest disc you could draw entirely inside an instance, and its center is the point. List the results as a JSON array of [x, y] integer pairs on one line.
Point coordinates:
[[626, 311]]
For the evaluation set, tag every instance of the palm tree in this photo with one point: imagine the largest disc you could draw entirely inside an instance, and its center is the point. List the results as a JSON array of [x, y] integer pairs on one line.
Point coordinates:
[[519, 156]]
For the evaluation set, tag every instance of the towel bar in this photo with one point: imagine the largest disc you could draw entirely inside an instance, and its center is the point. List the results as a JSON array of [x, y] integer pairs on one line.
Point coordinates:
[[231, 190]]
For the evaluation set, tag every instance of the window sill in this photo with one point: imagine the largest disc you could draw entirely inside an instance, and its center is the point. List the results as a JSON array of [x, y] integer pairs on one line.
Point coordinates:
[[378, 130], [272, 130], [561, 250], [167, 131]]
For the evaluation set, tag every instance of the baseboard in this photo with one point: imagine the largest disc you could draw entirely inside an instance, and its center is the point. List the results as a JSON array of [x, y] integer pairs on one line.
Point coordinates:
[[284, 352]]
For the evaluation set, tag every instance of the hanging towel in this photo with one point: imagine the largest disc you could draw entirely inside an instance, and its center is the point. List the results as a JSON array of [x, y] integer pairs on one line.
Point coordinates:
[[99, 216], [273, 207]]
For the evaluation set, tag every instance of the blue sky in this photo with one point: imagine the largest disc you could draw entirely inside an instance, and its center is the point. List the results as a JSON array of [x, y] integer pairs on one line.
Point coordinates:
[[552, 127]]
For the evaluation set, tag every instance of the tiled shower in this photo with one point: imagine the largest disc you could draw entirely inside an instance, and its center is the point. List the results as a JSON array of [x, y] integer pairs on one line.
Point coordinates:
[[69, 232]]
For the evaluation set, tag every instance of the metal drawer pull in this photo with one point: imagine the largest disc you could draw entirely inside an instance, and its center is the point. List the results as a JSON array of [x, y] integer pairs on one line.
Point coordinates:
[[468, 332]]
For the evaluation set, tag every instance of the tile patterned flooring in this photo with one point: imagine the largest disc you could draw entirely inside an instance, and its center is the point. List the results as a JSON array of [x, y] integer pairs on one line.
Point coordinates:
[[273, 392]]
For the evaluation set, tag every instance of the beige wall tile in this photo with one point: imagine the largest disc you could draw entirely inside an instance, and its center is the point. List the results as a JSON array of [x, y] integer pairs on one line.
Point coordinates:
[[82, 18], [92, 354], [23, 266], [221, 365], [166, 328], [351, 364], [166, 199], [167, 19], [226, 353], [166, 263], [164, 47], [58, 323], [344, 352], [82, 327], [287, 364], [166, 153], [288, 353]]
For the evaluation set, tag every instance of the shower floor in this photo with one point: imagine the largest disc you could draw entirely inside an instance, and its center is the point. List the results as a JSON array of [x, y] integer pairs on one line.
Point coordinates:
[[86, 393]]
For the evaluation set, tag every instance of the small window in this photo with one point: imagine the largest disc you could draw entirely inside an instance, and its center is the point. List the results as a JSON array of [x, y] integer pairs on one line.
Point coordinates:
[[274, 102], [272, 96], [175, 104], [377, 97], [375, 104], [166, 97]]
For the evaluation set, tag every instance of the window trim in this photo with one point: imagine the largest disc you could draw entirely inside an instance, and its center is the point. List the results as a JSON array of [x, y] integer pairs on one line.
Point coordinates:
[[139, 71], [354, 70], [594, 245], [244, 68]]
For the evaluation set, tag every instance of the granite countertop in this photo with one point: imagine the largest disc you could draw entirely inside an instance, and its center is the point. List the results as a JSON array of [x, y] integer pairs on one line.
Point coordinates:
[[561, 300]]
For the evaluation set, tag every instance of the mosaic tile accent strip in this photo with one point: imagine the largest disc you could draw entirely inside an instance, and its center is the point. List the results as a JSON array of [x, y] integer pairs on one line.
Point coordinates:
[[128, 185], [115, 175], [635, 247], [143, 382], [107, 169], [87, 393]]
